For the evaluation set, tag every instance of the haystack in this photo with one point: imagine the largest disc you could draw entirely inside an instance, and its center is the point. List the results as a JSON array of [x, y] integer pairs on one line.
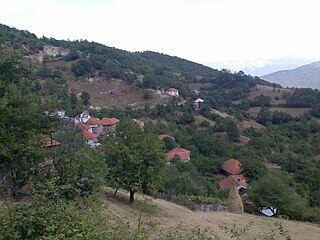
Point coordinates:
[[234, 202]]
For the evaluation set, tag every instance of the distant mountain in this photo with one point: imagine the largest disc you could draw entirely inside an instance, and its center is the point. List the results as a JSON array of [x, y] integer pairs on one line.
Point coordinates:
[[306, 76], [261, 66]]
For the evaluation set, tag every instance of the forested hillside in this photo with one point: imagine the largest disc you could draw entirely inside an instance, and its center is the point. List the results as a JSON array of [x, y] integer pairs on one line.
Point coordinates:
[[51, 178]]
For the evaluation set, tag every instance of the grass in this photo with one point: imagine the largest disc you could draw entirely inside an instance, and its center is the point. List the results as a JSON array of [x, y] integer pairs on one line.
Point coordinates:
[[167, 216], [106, 93]]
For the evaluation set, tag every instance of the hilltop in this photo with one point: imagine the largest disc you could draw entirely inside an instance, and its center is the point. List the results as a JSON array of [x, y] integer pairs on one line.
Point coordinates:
[[115, 77], [306, 76]]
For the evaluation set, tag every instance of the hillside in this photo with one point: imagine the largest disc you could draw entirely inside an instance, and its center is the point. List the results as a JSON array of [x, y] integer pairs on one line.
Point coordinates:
[[306, 76], [58, 145], [167, 216], [115, 77]]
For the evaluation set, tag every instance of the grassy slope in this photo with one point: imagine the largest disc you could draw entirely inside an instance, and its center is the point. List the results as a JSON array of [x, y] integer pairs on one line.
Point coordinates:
[[165, 216], [107, 93]]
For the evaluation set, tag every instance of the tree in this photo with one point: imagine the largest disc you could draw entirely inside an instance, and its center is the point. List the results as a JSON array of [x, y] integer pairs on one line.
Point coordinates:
[[85, 97], [22, 123], [230, 127], [264, 116], [135, 159], [274, 191]]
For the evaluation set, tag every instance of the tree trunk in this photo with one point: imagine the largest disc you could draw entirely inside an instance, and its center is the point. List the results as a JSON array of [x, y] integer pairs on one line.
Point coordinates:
[[131, 196], [14, 187]]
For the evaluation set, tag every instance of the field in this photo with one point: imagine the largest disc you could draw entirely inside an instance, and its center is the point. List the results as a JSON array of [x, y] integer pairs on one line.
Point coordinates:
[[162, 216]]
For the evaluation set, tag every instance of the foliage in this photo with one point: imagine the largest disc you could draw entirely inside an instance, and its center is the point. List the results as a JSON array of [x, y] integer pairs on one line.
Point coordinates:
[[135, 159], [183, 179], [85, 97], [273, 190], [264, 116], [261, 101]]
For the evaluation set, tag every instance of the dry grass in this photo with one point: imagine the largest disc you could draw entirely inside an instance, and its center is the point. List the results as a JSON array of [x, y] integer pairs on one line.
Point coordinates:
[[107, 93], [251, 123], [271, 92], [167, 216]]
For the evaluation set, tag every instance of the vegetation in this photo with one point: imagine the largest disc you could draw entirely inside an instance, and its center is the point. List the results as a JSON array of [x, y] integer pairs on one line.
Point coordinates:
[[280, 158]]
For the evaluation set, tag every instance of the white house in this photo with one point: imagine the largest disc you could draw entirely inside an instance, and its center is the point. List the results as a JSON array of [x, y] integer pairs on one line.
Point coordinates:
[[198, 100], [84, 117], [172, 92]]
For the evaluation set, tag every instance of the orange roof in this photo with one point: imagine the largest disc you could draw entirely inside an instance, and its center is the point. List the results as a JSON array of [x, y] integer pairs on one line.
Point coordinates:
[[233, 181], [172, 90], [47, 142], [83, 126], [88, 135], [109, 121], [93, 121], [232, 166], [163, 136], [181, 153]]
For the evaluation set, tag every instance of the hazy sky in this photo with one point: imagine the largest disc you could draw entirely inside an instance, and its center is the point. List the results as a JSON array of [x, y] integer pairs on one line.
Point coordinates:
[[203, 31]]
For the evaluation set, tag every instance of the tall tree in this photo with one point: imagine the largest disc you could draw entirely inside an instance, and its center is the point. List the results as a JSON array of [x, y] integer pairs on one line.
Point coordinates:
[[135, 159]]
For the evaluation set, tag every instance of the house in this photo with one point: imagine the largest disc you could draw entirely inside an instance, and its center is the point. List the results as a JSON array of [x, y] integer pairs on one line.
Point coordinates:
[[172, 92], [233, 171], [198, 100], [181, 153], [197, 103], [84, 117], [232, 167], [163, 136], [90, 138], [109, 124], [92, 127], [237, 181]]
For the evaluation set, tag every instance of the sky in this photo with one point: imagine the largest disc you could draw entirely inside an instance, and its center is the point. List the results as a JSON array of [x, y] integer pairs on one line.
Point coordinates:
[[203, 31]]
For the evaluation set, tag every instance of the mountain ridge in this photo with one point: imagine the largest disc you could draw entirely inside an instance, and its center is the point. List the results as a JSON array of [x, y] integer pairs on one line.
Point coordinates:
[[306, 76]]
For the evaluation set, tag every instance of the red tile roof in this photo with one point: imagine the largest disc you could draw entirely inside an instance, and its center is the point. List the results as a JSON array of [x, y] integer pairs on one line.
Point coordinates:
[[232, 166], [88, 135], [83, 126], [233, 181], [109, 121], [181, 153], [172, 90], [93, 121], [163, 136]]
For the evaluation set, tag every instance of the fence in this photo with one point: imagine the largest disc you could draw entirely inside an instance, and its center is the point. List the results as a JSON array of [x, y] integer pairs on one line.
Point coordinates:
[[192, 206]]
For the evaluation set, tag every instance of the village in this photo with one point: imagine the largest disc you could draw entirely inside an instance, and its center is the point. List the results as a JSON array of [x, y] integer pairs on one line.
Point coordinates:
[[231, 175]]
